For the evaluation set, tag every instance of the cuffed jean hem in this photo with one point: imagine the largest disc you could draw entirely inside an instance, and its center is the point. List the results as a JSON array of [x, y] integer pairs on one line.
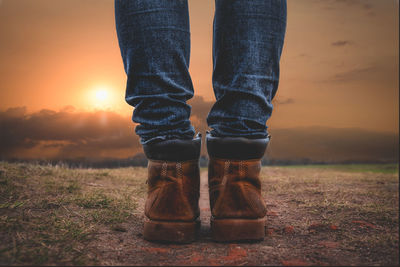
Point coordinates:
[[214, 133], [160, 138], [174, 149]]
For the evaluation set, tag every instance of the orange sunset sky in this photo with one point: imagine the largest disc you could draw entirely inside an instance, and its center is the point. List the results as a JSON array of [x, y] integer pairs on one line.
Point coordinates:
[[62, 81]]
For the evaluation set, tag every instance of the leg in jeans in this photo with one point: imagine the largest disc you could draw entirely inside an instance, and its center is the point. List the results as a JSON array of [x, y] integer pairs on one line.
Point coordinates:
[[247, 44], [154, 39], [248, 39], [155, 45]]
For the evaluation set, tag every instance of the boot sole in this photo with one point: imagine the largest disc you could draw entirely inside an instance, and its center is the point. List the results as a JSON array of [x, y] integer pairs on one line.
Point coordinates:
[[171, 231], [226, 230]]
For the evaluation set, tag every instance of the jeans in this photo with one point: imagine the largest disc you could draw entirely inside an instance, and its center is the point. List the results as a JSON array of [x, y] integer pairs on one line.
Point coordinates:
[[154, 38]]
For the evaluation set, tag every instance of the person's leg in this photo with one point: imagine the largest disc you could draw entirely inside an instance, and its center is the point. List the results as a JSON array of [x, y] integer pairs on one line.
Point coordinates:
[[155, 44], [247, 44], [248, 39], [154, 39]]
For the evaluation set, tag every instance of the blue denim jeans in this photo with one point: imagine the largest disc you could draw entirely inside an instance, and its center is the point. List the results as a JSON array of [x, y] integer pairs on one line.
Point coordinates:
[[154, 39]]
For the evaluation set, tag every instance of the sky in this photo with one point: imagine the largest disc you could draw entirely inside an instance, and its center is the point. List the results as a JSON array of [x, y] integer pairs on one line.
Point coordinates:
[[62, 81]]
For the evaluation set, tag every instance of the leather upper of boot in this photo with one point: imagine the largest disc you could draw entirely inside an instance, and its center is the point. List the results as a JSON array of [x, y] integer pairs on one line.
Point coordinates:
[[173, 190], [234, 177], [173, 180]]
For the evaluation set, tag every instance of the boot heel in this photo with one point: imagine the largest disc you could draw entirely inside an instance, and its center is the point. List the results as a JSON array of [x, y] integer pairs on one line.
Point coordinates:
[[225, 230], [169, 231]]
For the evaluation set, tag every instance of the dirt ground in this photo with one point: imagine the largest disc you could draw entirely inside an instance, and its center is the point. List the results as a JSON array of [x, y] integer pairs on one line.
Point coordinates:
[[317, 215]]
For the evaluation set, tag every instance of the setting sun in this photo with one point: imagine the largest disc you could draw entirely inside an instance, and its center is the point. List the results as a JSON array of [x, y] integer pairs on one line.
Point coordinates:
[[101, 95]]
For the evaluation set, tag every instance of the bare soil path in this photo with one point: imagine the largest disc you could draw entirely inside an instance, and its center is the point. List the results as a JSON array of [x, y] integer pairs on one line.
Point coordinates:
[[317, 215], [204, 204]]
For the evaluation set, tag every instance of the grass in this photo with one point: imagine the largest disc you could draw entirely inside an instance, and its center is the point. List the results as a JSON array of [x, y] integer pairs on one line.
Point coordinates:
[[48, 214], [374, 168], [362, 200], [55, 215]]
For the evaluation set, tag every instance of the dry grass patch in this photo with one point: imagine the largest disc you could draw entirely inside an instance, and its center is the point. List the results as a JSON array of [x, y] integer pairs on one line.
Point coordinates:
[[49, 214], [317, 215], [356, 207]]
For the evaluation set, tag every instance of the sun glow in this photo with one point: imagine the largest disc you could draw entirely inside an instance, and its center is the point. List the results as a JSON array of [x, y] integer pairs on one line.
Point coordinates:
[[106, 96], [103, 97]]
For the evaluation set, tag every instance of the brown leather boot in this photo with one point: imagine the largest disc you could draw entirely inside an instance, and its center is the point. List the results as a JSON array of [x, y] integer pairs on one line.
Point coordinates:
[[172, 205], [237, 208]]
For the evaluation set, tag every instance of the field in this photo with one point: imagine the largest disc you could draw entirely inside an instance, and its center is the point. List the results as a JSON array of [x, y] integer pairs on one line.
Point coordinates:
[[317, 215]]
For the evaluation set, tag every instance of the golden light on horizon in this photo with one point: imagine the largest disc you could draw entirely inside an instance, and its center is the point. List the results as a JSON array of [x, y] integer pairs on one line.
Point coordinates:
[[331, 75], [102, 97]]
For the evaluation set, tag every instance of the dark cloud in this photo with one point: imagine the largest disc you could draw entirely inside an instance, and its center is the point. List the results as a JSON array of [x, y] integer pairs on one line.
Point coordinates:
[[340, 4], [71, 134], [283, 100], [341, 43], [357, 3], [333, 145], [68, 133], [354, 74], [361, 74], [367, 6]]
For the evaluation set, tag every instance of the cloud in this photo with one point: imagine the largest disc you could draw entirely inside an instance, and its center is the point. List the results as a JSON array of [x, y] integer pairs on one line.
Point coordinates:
[[283, 100], [341, 43], [303, 55], [367, 6], [356, 4], [65, 134], [353, 74], [359, 74], [329, 144], [71, 134], [364, 4]]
